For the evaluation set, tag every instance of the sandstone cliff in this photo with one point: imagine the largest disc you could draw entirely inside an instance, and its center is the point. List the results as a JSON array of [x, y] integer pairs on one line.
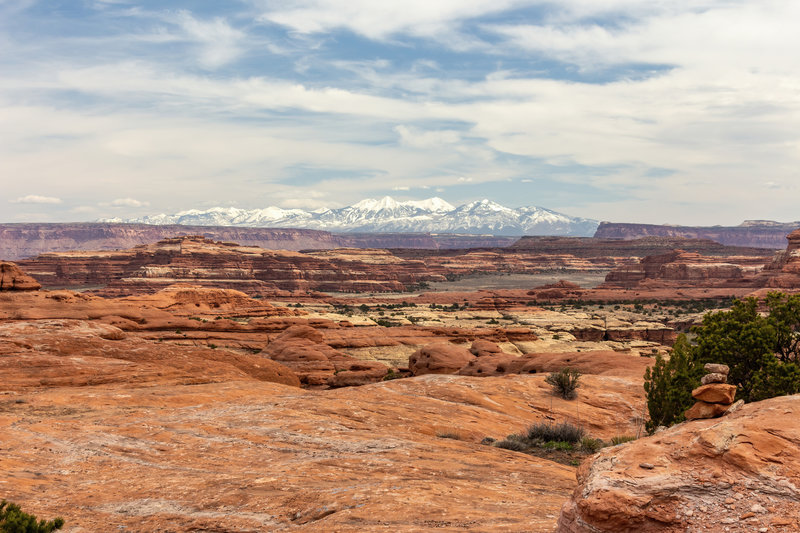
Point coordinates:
[[758, 234]]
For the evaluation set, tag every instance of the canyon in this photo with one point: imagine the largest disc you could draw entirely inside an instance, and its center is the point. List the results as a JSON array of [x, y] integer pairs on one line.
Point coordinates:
[[194, 384]]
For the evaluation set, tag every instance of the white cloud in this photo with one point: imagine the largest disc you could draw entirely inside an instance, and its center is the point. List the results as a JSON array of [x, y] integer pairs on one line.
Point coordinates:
[[401, 188], [36, 199], [220, 43], [380, 20], [128, 202]]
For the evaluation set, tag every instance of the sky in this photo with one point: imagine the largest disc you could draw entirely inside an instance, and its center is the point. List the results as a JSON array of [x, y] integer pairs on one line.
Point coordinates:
[[680, 112]]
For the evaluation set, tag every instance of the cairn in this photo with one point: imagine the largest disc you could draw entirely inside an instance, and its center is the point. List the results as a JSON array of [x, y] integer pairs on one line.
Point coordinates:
[[714, 397]]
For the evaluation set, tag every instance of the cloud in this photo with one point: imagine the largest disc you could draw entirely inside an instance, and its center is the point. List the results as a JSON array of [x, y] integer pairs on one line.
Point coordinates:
[[219, 42], [381, 20], [36, 199], [401, 188], [128, 202]]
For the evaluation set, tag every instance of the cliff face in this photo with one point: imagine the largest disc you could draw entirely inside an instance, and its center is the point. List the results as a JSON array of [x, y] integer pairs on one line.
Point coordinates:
[[758, 234], [681, 269], [197, 260], [634, 245], [19, 241]]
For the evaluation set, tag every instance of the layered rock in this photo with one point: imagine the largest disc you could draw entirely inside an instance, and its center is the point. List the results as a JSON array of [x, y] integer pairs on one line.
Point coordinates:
[[301, 348], [198, 260], [679, 268], [783, 272], [12, 278], [759, 234], [732, 474]]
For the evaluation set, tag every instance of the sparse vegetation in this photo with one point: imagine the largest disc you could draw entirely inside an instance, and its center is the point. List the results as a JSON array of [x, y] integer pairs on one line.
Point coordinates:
[[621, 439], [564, 382], [564, 432], [14, 520]]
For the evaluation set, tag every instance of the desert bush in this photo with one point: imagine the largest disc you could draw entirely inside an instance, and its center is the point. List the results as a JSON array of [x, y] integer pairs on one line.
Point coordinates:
[[564, 382], [448, 435], [514, 443], [591, 445], [621, 439], [563, 432], [14, 520]]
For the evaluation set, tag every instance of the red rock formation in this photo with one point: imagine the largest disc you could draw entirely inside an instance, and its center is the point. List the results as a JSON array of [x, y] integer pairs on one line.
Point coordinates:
[[12, 278], [301, 348], [197, 260], [679, 269], [439, 358], [737, 473], [760, 234], [65, 353], [783, 272]]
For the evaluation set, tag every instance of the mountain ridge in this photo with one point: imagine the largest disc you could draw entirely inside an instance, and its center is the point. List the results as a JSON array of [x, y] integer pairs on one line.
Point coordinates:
[[387, 215]]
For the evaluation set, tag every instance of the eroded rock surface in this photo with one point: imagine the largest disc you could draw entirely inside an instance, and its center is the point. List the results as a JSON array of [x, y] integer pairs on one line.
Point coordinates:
[[12, 278], [736, 473]]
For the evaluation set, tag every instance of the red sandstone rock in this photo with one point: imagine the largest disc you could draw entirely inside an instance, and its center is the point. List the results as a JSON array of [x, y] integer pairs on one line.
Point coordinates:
[[702, 409], [439, 358], [482, 347], [706, 474], [301, 348], [12, 278], [715, 393]]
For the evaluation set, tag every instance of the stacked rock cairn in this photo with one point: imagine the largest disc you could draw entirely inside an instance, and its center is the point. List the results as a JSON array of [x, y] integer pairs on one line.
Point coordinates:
[[714, 397]]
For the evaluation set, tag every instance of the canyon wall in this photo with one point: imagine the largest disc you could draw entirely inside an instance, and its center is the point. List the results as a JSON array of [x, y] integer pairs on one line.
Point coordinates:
[[759, 234]]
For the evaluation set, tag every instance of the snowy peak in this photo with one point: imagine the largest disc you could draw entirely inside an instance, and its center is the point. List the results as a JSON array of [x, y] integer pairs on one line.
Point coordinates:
[[387, 215]]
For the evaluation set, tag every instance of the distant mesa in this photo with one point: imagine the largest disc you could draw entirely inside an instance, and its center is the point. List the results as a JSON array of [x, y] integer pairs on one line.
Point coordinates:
[[751, 233], [387, 215]]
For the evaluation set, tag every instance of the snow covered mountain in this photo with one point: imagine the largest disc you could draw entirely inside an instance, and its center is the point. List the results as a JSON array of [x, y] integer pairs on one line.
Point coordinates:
[[387, 215]]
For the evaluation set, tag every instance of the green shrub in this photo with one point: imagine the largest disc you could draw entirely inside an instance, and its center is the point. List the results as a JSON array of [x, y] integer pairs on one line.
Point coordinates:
[[14, 520], [564, 382], [621, 439], [668, 385], [563, 432], [591, 445], [558, 445]]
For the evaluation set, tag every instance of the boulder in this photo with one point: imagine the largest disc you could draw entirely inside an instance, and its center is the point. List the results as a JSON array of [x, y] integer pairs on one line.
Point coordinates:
[[714, 368], [483, 347], [705, 476], [715, 393], [439, 358], [713, 378], [12, 278], [701, 410]]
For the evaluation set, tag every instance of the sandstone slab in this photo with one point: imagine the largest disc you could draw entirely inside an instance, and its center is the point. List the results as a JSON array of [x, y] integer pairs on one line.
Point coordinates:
[[715, 393], [706, 410]]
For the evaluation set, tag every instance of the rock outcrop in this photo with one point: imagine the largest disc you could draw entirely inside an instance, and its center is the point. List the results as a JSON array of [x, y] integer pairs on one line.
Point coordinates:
[[757, 233], [12, 278], [783, 272], [679, 269], [737, 473], [301, 348], [439, 358]]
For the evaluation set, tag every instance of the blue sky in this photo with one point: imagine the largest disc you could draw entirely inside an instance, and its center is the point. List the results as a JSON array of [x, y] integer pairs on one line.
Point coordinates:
[[681, 112]]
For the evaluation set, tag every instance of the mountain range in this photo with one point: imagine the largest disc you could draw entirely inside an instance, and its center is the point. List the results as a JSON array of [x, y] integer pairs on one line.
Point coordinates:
[[387, 215]]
